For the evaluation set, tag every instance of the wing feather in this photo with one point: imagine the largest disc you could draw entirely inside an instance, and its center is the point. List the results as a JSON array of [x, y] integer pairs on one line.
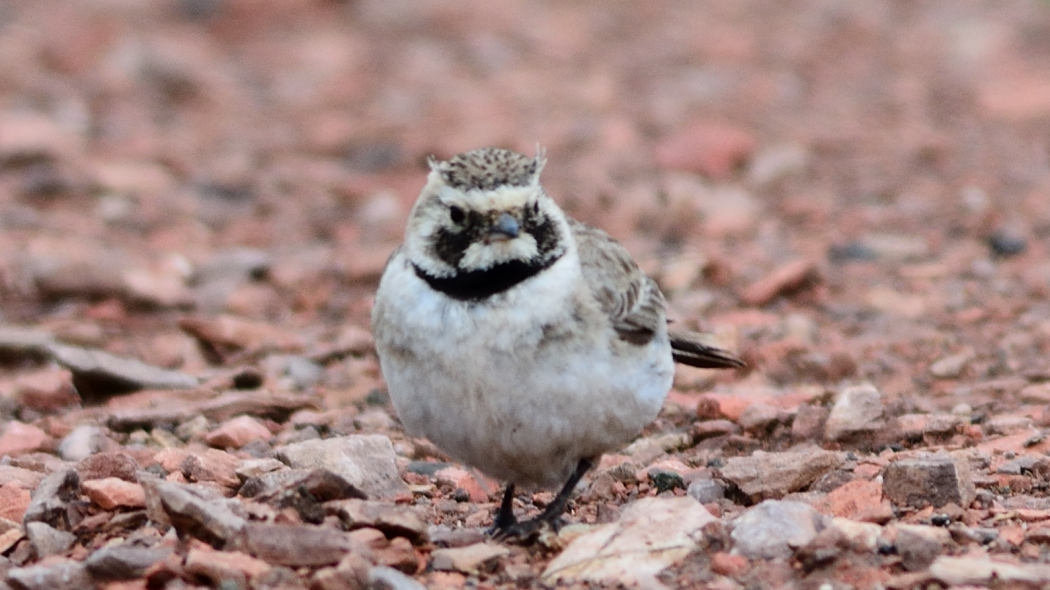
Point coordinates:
[[634, 303]]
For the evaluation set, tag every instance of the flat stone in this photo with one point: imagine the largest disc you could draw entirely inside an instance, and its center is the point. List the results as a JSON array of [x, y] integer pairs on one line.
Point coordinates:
[[651, 534], [19, 439], [706, 490], [81, 443], [933, 480], [919, 545], [20, 476], [758, 416], [393, 519], [98, 374], [982, 571], [861, 537], [784, 279], [774, 475], [225, 568], [366, 461], [9, 538], [14, 500], [775, 528], [64, 574], [237, 432], [952, 366], [860, 499], [48, 390], [858, 409], [52, 497], [472, 559], [124, 562], [111, 493], [47, 540], [387, 578], [102, 465], [250, 468], [194, 514], [295, 545]]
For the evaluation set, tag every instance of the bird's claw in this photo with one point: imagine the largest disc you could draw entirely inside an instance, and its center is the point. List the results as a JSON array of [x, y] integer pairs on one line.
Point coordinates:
[[524, 532]]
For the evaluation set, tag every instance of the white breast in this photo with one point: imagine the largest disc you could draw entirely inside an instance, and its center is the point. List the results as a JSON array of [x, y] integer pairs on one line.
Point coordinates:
[[521, 386]]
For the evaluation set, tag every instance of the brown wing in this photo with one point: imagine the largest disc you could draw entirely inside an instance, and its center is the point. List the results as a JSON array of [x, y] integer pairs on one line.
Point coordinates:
[[633, 301]]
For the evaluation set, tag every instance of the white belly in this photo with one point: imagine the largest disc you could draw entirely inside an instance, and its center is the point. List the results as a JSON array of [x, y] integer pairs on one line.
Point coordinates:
[[522, 390]]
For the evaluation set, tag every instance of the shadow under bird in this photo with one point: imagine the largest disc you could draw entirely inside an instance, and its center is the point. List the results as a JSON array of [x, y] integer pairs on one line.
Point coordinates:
[[519, 340]]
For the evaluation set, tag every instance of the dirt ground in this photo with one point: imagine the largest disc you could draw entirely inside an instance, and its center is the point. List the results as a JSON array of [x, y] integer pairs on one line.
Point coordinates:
[[847, 193]]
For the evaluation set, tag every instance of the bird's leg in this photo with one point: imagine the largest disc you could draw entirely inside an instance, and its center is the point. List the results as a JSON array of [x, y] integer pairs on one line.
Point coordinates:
[[505, 517], [527, 530]]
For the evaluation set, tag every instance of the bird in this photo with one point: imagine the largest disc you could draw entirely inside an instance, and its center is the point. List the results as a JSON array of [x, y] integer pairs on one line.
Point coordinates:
[[518, 340]]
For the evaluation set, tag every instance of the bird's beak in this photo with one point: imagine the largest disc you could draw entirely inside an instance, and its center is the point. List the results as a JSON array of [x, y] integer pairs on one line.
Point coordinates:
[[505, 227]]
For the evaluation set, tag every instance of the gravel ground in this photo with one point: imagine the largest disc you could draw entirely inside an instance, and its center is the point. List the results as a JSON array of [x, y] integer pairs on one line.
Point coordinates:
[[197, 198]]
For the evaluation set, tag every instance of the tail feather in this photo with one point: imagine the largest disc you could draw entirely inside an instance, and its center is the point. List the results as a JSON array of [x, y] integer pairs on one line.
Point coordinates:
[[686, 348]]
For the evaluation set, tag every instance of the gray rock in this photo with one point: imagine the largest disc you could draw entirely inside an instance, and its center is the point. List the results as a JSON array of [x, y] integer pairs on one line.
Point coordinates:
[[983, 571], [82, 442], [235, 265], [934, 480], [393, 519], [366, 461], [51, 499], [774, 475], [951, 367], [897, 247], [22, 343], [295, 545], [294, 371], [918, 545], [47, 540], [472, 559], [758, 416], [193, 513], [124, 562], [857, 410], [62, 575], [98, 374], [651, 534], [774, 529], [387, 578], [707, 490]]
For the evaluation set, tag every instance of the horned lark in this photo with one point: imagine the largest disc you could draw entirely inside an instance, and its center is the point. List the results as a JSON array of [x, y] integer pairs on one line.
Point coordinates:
[[518, 340]]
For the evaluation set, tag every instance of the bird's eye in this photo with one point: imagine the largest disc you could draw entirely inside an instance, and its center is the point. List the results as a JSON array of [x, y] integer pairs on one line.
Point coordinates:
[[535, 207], [456, 214]]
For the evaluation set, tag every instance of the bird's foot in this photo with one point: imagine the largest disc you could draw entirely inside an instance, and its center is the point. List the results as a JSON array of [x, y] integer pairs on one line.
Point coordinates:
[[525, 532], [501, 523]]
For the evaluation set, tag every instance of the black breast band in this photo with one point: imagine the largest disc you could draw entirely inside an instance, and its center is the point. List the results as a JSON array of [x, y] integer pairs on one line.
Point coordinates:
[[482, 284]]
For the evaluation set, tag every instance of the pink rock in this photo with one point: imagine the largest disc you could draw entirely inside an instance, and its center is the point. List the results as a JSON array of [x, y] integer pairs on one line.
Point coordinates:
[[711, 148], [238, 432], [727, 564], [787, 278], [46, 391], [19, 438], [171, 458], [477, 487], [14, 499], [113, 492], [108, 464], [212, 465], [860, 500], [225, 566]]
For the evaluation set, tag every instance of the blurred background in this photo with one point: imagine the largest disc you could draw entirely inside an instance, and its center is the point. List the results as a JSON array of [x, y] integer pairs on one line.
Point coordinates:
[[845, 188]]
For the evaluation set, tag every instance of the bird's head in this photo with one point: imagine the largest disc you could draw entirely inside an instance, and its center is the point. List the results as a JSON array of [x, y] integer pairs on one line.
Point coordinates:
[[483, 210]]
